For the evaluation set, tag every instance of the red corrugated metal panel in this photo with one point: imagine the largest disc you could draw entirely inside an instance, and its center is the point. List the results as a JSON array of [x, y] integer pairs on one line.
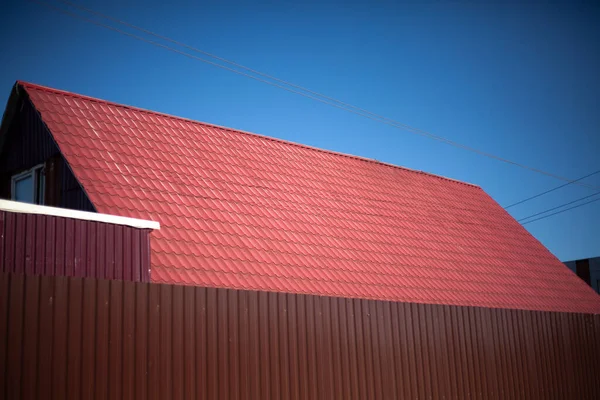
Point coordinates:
[[80, 338], [4, 301], [14, 338], [48, 245], [129, 341], [88, 345]]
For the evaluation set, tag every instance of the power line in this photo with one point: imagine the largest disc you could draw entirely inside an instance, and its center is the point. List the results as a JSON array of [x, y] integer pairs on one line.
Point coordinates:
[[561, 206], [185, 54], [562, 211], [332, 102], [312, 94], [551, 190], [168, 39]]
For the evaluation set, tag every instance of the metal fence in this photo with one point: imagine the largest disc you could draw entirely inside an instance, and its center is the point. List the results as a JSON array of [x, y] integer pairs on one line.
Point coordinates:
[[48, 245], [87, 338]]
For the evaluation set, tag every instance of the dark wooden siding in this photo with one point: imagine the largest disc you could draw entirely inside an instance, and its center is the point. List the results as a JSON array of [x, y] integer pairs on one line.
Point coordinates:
[[47, 245], [29, 143], [86, 338]]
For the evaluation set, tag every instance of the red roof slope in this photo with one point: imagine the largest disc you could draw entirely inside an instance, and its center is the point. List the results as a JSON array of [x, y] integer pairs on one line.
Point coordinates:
[[240, 210]]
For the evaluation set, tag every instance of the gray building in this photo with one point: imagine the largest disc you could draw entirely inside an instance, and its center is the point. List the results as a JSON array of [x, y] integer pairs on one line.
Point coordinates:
[[587, 269]]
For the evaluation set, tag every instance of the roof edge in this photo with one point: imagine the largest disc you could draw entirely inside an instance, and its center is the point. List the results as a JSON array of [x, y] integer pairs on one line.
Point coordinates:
[[25, 95], [9, 113], [26, 85], [26, 208]]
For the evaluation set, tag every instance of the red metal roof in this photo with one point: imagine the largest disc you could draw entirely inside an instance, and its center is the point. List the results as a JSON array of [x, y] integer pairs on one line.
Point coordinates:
[[240, 210]]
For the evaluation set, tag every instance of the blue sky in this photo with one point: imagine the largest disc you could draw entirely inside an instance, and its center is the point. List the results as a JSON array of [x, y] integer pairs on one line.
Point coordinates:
[[521, 82]]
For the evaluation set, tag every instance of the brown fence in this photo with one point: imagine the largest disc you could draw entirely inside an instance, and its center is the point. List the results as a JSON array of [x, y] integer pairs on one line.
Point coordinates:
[[86, 338], [49, 245]]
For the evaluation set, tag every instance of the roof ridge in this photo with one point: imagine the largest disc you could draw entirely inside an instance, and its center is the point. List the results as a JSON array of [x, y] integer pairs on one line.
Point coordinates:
[[207, 124]]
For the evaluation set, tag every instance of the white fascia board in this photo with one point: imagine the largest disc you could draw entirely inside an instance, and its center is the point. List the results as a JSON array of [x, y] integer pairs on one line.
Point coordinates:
[[26, 208]]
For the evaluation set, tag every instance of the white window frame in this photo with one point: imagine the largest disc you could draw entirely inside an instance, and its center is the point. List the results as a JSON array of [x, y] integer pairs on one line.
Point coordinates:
[[35, 174]]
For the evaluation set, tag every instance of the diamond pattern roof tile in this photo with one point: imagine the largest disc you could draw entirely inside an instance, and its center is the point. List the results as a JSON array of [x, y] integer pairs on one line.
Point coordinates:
[[245, 211]]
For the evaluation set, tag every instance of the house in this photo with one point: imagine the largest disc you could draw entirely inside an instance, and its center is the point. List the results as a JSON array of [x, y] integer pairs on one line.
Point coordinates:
[[279, 270], [588, 269], [245, 211]]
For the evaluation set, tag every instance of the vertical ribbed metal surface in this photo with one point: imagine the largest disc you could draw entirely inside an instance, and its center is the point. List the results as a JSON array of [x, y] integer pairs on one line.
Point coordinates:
[[85, 338], [47, 245]]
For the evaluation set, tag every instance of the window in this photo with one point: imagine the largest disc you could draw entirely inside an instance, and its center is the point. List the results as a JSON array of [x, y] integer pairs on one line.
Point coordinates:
[[29, 186]]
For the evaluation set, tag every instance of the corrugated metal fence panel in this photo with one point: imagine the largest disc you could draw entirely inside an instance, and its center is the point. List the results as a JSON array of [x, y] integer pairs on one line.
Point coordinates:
[[48, 245], [85, 338]]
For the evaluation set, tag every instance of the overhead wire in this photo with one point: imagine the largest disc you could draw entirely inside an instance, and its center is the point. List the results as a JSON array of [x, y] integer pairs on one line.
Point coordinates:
[[181, 52], [562, 211], [296, 88], [549, 191], [557, 207], [369, 115]]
